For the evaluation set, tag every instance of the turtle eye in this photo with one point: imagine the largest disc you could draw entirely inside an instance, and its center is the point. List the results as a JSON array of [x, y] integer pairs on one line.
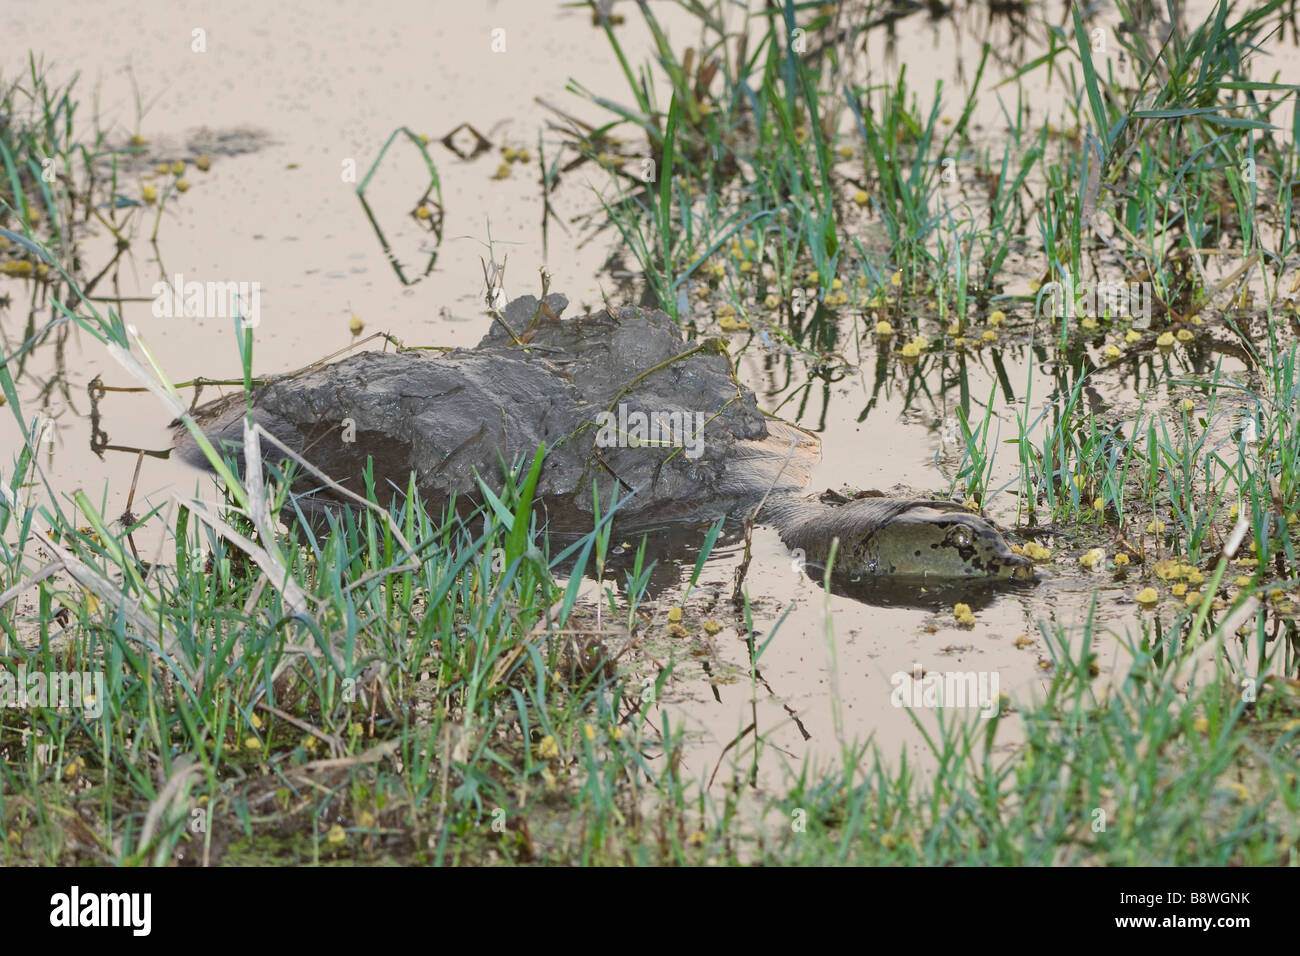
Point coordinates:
[[961, 536]]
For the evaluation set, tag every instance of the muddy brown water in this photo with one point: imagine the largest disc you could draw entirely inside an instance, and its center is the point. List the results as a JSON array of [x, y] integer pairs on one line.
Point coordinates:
[[286, 96]]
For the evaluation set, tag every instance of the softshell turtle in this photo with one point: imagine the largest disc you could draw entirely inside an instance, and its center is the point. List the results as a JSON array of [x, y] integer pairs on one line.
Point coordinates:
[[625, 407]]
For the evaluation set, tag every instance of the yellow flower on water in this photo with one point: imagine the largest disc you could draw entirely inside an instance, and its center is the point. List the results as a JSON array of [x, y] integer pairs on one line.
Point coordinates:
[[711, 627], [1099, 504], [1155, 526], [182, 186], [204, 163], [336, 835], [589, 731], [1112, 353], [1201, 725], [503, 172], [1168, 570], [677, 631], [1188, 405], [178, 168], [1092, 558], [1179, 589], [883, 329], [1193, 598], [771, 302], [1036, 552], [1243, 581], [523, 156], [355, 325], [1132, 337], [911, 350], [896, 279], [861, 198], [149, 194], [422, 211], [1147, 596], [1165, 341], [989, 336], [1089, 323], [997, 318], [961, 342], [674, 614], [846, 152], [252, 743], [547, 748], [1184, 335], [1121, 560]]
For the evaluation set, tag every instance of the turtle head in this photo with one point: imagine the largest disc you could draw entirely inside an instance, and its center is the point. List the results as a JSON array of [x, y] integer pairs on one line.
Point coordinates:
[[933, 542]]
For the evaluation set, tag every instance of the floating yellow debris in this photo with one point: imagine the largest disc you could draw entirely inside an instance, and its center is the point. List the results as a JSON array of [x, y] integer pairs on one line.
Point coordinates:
[[1201, 725], [1036, 552], [1132, 337], [965, 617], [182, 186], [503, 172], [729, 322], [1092, 558], [883, 329], [149, 194], [1185, 335], [997, 318], [711, 627], [1165, 341], [1112, 353], [861, 198], [677, 631], [1121, 560], [204, 163], [355, 325], [547, 748], [1147, 597], [674, 614]]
